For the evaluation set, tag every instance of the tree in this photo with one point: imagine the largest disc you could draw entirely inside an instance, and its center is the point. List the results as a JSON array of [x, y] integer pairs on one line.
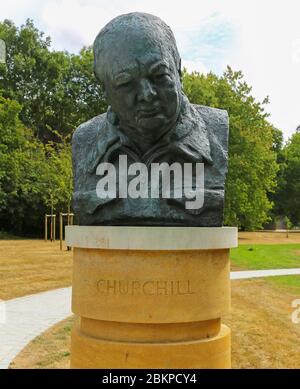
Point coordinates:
[[56, 90], [288, 193], [252, 158], [21, 156], [288, 225], [34, 178], [57, 176]]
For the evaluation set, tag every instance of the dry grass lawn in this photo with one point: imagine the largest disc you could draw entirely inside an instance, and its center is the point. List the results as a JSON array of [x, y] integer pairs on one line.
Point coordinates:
[[32, 266], [268, 237], [263, 335]]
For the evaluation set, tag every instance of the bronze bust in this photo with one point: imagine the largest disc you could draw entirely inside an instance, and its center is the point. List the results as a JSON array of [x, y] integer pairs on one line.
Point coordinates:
[[150, 122]]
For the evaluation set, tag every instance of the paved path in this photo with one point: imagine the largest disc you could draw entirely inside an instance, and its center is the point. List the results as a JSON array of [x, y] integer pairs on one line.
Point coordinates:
[[27, 317], [239, 275]]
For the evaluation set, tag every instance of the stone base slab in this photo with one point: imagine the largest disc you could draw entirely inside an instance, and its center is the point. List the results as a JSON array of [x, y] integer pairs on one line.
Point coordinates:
[[90, 353], [149, 333]]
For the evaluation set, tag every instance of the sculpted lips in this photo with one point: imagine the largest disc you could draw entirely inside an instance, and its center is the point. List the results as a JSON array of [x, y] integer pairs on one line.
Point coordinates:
[[148, 112]]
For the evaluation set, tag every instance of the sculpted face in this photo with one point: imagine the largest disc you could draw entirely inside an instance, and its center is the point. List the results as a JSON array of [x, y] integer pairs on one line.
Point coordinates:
[[145, 93]]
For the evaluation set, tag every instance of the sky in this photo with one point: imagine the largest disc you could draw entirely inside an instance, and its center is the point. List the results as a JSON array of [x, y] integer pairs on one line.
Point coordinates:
[[259, 37]]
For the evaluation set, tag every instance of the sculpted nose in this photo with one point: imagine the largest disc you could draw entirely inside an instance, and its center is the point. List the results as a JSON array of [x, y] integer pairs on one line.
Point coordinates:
[[146, 91]]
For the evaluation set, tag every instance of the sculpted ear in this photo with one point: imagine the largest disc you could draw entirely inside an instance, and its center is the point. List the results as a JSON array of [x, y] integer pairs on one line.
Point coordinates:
[[101, 83], [179, 70], [105, 94]]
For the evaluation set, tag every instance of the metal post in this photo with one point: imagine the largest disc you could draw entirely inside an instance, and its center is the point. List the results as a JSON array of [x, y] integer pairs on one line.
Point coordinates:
[[51, 228], [54, 227], [46, 228], [60, 229]]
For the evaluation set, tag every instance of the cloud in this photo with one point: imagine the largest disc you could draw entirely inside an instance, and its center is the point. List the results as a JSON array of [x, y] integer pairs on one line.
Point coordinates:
[[267, 31], [211, 43], [73, 24], [203, 41], [194, 65], [18, 10]]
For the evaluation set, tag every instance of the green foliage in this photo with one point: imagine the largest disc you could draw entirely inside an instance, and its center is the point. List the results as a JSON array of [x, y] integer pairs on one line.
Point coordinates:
[[56, 90], [56, 176], [288, 223], [51, 93], [288, 195], [34, 178], [252, 145], [20, 159]]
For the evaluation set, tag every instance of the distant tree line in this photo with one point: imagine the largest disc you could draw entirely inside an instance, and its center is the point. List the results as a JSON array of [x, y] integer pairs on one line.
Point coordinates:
[[46, 94]]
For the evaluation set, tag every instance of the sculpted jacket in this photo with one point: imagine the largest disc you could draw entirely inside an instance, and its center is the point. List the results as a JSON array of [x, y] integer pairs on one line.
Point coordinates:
[[199, 135]]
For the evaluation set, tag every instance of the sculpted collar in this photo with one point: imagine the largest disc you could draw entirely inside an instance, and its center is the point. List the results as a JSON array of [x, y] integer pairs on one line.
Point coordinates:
[[188, 137]]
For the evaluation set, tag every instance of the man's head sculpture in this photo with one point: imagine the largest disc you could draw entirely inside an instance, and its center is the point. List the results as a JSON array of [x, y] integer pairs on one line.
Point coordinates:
[[138, 64], [149, 121]]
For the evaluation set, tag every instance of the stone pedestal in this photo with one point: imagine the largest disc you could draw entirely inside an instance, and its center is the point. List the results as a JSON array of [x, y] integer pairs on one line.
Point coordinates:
[[150, 297]]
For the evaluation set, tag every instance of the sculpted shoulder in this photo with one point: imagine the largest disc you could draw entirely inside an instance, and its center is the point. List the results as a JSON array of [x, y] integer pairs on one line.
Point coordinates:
[[213, 116], [87, 132], [217, 123], [84, 147]]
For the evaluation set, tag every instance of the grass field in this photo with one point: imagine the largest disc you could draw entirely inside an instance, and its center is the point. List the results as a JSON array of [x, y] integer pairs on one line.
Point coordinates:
[[267, 237], [263, 335], [269, 256], [32, 266], [274, 253], [266, 256], [289, 283]]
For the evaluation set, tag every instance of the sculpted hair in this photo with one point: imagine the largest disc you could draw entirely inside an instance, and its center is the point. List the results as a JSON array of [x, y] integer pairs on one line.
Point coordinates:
[[122, 28]]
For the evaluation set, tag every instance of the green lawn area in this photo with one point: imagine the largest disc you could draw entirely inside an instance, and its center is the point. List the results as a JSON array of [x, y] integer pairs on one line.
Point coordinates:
[[290, 283], [263, 256], [270, 256]]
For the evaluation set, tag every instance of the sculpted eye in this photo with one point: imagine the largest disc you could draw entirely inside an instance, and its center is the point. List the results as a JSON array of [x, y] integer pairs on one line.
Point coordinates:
[[161, 77], [124, 84]]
